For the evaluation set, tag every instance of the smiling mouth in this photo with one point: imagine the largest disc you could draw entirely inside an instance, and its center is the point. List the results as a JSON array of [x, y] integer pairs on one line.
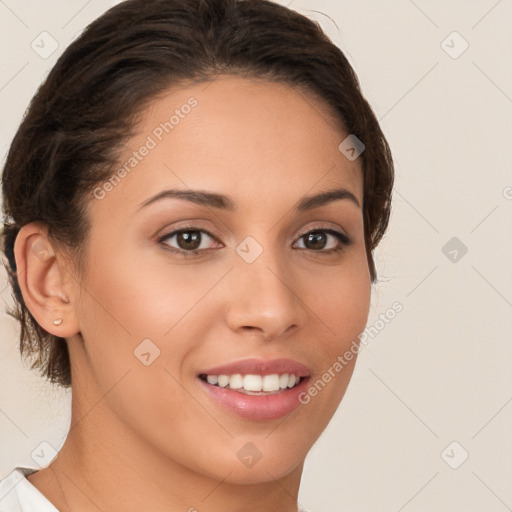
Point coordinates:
[[252, 384]]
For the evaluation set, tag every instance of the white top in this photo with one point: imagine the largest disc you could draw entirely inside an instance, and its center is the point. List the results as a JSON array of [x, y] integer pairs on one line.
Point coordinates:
[[17, 494]]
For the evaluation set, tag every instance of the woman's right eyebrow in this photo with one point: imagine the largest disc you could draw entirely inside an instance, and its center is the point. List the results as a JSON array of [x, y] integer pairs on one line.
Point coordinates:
[[223, 202], [201, 197]]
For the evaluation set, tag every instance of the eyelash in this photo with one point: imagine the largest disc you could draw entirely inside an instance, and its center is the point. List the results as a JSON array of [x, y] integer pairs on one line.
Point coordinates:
[[343, 239]]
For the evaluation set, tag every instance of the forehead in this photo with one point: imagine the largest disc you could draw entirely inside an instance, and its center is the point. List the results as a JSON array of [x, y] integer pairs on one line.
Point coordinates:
[[250, 139]]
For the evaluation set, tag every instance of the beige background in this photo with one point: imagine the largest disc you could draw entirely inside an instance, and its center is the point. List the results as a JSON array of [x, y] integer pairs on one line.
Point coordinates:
[[440, 371]]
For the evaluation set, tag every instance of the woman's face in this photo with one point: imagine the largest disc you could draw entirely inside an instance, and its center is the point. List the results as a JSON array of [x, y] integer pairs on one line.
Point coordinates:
[[257, 295]]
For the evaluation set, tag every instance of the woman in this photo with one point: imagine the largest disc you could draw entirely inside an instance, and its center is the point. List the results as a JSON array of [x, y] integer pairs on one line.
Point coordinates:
[[192, 202]]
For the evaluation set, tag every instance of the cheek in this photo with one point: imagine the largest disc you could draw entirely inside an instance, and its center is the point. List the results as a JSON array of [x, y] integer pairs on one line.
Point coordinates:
[[128, 301], [142, 297], [339, 299], [339, 302], [134, 307]]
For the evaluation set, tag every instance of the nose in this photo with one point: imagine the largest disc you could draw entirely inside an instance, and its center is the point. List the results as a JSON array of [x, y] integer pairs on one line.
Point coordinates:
[[262, 299]]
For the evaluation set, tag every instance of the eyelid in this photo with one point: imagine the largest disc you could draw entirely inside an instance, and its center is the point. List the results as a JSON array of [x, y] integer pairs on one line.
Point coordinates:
[[329, 228]]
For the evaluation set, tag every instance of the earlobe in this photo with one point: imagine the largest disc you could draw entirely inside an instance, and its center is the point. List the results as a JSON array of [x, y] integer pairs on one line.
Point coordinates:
[[45, 283]]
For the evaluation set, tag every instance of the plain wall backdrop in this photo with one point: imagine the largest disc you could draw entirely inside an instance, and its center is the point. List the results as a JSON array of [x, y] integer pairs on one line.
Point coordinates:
[[427, 419]]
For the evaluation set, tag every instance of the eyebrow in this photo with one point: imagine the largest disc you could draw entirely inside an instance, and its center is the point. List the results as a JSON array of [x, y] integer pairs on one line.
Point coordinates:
[[222, 202]]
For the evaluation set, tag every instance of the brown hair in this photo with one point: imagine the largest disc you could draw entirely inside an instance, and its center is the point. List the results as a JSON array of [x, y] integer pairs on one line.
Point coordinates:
[[88, 105]]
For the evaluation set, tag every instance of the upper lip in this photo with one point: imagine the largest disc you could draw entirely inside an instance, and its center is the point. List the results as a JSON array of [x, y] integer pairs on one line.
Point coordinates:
[[254, 366]]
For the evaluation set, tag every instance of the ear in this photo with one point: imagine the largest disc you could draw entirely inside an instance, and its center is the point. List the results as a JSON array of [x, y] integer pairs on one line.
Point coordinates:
[[48, 288]]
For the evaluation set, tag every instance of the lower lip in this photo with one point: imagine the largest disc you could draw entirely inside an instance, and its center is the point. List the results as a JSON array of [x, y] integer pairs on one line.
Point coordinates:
[[257, 407]]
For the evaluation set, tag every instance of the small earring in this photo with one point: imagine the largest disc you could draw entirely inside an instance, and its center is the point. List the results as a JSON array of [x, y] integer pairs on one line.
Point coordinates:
[[57, 321]]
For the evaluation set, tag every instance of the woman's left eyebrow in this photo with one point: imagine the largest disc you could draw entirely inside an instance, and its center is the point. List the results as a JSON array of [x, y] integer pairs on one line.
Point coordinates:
[[321, 199], [223, 202]]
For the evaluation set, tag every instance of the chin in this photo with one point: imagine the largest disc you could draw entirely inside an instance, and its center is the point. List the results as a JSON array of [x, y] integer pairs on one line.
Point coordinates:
[[261, 472], [262, 460]]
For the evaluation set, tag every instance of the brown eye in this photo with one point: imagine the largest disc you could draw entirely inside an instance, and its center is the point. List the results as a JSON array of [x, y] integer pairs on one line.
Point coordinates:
[[315, 240], [318, 240], [188, 240]]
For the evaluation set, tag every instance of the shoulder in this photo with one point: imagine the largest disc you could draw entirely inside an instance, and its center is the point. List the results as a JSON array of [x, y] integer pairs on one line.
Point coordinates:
[[17, 494]]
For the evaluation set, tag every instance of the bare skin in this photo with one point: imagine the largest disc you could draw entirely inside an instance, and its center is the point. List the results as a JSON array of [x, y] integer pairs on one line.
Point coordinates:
[[149, 437]]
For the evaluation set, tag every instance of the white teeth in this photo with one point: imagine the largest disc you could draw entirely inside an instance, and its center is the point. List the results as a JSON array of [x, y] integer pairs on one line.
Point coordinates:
[[212, 379], [235, 381], [223, 381], [254, 383], [271, 382]]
